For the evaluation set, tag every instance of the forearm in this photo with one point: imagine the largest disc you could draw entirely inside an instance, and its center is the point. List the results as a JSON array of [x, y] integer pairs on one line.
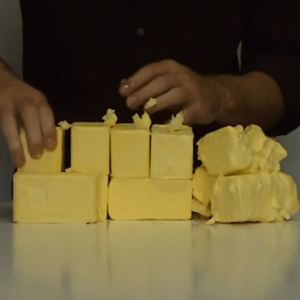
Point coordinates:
[[253, 98]]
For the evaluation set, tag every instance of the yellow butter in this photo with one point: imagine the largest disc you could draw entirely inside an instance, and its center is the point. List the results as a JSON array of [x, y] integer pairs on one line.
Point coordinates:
[[261, 197], [50, 161], [267, 152], [233, 151], [110, 118], [134, 199], [55, 198], [200, 208], [90, 143], [225, 151], [176, 122], [202, 188], [171, 153], [144, 122], [130, 147], [150, 103]]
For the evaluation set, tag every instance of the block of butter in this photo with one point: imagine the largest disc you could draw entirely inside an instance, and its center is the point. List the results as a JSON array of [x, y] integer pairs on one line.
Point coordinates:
[[234, 151], [202, 188], [133, 199], [130, 151], [171, 153], [261, 197], [90, 148], [55, 198], [50, 161]]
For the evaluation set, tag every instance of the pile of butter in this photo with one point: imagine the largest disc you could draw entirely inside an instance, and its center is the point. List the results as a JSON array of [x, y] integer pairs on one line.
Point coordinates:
[[240, 178], [127, 171]]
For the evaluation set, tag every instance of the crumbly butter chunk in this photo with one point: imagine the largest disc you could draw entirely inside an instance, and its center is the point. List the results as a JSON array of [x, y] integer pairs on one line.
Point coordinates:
[[233, 151], [130, 151], [134, 199], [50, 161], [64, 125], [202, 188], [90, 147], [261, 197], [55, 198], [225, 151], [200, 208], [171, 153], [110, 118], [176, 122], [144, 122], [150, 103], [267, 152]]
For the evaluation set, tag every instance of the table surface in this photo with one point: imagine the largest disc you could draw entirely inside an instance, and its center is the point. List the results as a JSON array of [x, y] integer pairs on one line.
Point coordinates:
[[157, 260]]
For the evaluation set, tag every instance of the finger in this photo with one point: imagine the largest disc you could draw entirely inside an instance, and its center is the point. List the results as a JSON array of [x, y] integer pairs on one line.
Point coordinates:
[[31, 120], [10, 132], [144, 76], [158, 86], [47, 127], [174, 98]]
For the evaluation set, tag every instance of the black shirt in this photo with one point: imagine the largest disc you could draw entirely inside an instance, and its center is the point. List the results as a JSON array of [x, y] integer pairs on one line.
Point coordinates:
[[77, 52]]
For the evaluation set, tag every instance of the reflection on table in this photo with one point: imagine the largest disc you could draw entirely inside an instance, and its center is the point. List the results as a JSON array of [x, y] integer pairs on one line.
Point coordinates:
[[147, 260]]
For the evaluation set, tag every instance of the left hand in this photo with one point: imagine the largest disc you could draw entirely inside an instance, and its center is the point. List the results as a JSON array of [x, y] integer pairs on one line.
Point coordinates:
[[177, 88]]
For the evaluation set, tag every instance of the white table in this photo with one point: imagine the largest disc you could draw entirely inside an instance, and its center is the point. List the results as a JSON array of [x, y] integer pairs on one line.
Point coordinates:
[[149, 260]]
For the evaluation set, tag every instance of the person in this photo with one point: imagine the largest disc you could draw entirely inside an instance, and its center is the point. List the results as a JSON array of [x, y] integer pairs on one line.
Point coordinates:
[[83, 57]]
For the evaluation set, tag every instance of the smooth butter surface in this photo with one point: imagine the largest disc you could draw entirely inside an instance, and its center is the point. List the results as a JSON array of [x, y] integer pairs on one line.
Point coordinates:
[[130, 151], [260, 197], [50, 161], [55, 198], [90, 148], [171, 153], [134, 199]]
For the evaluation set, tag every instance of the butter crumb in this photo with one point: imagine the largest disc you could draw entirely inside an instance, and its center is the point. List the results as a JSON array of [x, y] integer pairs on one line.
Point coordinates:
[[176, 122], [110, 119], [150, 103], [144, 122], [64, 125]]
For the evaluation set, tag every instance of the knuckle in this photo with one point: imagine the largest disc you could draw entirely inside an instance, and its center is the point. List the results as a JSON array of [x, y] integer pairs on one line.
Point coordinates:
[[170, 63]]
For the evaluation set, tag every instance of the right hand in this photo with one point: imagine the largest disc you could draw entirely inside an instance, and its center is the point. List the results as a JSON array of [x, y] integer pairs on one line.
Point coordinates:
[[22, 105]]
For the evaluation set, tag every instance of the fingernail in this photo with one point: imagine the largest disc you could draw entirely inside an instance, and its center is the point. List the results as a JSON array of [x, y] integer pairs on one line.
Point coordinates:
[[18, 162], [123, 81]]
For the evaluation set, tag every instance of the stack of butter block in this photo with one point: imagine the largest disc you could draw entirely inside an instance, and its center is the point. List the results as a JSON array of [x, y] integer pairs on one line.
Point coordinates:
[[126, 170], [151, 171], [240, 178], [46, 193]]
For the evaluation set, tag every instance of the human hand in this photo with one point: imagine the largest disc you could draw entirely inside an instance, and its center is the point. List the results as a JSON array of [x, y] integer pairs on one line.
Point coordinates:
[[175, 87], [22, 105]]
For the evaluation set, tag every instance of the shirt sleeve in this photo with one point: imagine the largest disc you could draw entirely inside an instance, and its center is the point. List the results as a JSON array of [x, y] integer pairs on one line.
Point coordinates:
[[271, 44]]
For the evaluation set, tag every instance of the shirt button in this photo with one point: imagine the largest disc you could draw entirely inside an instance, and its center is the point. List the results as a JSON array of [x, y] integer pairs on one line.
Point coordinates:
[[140, 32]]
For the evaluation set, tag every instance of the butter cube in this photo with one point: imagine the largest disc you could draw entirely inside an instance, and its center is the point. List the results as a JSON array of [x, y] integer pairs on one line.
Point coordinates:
[[171, 153], [134, 199], [55, 198], [50, 161], [90, 148], [259, 197], [130, 147]]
